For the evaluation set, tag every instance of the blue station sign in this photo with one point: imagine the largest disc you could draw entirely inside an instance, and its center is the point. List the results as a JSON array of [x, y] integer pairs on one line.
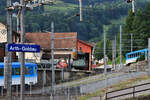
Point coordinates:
[[23, 48]]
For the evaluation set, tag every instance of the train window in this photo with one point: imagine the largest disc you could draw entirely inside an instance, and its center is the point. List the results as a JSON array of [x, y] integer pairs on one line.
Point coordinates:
[[13, 71], [30, 70], [26, 70], [136, 55], [1, 71], [17, 71], [35, 70]]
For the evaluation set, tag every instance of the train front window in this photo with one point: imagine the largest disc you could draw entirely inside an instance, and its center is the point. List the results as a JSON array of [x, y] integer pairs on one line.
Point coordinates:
[[1, 71]]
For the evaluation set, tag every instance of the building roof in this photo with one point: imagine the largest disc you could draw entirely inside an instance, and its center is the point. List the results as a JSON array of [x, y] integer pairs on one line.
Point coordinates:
[[61, 41], [85, 43]]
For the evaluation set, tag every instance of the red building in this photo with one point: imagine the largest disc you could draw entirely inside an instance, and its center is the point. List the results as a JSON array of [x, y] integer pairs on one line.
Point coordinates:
[[86, 49], [64, 44]]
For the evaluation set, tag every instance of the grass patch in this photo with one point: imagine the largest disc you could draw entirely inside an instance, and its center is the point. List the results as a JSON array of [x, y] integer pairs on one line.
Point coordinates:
[[60, 6], [128, 83], [86, 80], [95, 94], [142, 97]]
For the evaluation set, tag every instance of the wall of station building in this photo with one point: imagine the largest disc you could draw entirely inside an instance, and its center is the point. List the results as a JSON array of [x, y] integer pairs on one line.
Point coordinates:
[[85, 48]]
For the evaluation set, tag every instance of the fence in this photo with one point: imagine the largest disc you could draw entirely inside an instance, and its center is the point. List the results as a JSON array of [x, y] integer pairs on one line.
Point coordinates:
[[134, 91], [41, 97], [63, 93]]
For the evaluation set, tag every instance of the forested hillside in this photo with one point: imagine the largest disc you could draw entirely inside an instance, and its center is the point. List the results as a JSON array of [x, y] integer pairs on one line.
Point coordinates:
[[95, 16], [137, 24], [88, 2]]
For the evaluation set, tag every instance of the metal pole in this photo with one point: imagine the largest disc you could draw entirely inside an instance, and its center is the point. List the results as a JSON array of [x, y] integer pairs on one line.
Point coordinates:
[[62, 74], [17, 89], [44, 79], [80, 3], [30, 88], [131, 42], [105, 70], [17, 23], [22, 59], [52, 55], [133, 6], [115, 54], [9, 54], [68, 92], [120, 46], [18, 27], [148, 56]]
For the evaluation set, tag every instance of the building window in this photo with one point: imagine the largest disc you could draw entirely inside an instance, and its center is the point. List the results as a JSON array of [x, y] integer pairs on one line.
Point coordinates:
[[80, 48]]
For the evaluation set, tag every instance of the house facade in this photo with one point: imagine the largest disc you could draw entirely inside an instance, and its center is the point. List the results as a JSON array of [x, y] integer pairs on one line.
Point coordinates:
[[64, 43], [3, 33], [3, 41]]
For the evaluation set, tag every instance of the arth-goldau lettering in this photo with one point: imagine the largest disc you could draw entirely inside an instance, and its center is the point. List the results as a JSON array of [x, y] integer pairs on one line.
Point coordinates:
[[14, 48], [28, 49]]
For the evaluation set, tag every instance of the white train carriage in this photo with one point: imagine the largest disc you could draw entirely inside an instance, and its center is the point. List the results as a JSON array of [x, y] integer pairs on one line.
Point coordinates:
[[132, 56]]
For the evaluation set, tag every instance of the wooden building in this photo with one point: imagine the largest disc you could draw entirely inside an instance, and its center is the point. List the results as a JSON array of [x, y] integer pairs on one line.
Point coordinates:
[[64, 43]]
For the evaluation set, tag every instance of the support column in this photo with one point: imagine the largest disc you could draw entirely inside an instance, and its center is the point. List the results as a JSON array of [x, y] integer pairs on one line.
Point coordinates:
[[22, 54], [148, 56]]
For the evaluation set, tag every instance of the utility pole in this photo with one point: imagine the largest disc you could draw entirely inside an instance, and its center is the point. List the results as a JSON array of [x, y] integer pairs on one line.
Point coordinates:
[[131, 42], [80, 3], [148, 56], [133, 6], [17, 23], [115, 52], [22, 59], [9, 54], [52, 61], [105, 69], [120, 46]]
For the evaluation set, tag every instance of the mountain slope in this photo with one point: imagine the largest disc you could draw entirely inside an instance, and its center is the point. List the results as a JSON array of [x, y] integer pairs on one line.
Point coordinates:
[[96, 14]]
